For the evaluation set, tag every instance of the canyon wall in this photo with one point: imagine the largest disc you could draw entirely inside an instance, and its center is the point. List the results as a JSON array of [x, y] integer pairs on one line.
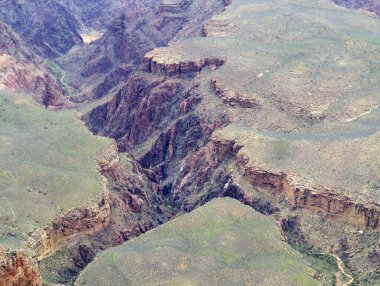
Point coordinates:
[[67, 228]]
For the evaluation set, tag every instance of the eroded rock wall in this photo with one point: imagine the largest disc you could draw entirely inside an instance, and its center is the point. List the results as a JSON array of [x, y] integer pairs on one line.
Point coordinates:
[[68, 227]]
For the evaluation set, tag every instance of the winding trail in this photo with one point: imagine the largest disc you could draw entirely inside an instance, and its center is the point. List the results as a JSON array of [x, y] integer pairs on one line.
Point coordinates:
[[63, 77], [341, 269]]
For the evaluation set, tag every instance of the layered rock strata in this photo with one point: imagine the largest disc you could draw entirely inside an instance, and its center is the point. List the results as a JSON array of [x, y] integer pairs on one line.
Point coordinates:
[[67, 228]]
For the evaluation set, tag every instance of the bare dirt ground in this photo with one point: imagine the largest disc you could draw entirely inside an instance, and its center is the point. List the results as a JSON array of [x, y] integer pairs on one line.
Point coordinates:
[[90, 38], [342, 273]]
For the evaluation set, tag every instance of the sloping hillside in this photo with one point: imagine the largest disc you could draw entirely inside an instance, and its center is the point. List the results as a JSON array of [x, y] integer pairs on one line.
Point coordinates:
[[221, 243]]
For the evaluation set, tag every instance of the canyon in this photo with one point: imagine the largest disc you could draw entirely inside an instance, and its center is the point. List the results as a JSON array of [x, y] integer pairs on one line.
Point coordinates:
[[179, 110]]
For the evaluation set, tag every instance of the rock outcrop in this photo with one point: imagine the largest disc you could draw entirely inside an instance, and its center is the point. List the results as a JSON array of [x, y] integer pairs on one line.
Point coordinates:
[[234, 97], [164, 65], [70, 226], [173, 6], [17, 268]]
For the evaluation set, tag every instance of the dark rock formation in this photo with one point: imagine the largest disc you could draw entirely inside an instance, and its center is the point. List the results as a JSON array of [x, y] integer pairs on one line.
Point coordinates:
[[134, 205]]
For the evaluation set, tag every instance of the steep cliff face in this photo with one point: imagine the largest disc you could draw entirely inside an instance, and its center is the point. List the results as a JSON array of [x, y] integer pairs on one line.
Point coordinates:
[[158, 122], [23, 71], [223, 157], [133, 205], [299, 194], [158, 64], [133, 115], [70, 226], [17, 268], [134, 191]]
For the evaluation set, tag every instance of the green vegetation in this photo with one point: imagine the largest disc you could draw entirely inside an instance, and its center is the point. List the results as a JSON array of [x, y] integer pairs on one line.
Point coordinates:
[[281, 147], [221, 243], [59, 76], [47, 165], [58, 72], [324, 265]]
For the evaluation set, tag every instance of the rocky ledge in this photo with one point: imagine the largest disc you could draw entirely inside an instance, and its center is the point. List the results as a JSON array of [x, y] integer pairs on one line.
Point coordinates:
[[233, 97], [173, 6], [177, 66], [70, 226], [299, 193]]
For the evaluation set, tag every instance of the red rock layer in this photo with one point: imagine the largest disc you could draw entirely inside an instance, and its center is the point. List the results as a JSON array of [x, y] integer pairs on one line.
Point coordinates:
[[18, 269]]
